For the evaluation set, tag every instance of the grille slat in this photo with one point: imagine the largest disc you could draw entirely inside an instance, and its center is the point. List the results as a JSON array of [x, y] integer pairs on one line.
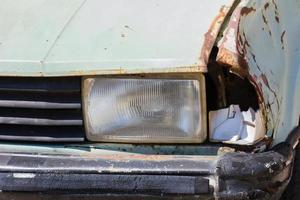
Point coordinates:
[[39, 122], [54, 114], [41, 109], [37, 104], [41, 133], [68, 99], [44, 84]]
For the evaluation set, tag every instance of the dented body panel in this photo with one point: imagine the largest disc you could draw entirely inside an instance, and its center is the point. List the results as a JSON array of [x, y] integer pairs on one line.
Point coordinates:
[[89, 37], [260, 43]]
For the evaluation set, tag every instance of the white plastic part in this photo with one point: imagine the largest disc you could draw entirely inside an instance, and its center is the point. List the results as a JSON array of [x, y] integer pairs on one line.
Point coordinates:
[[234, 126]]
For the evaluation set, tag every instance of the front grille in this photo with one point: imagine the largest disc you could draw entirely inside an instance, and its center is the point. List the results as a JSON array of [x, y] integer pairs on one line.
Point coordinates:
[[41, 109]]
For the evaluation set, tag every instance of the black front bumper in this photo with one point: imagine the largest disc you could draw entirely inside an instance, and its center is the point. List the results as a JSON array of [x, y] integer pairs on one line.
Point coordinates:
[[135, 176]]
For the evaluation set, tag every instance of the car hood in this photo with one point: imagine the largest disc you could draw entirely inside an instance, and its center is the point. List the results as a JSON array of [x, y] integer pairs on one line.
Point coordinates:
[[80, 37]]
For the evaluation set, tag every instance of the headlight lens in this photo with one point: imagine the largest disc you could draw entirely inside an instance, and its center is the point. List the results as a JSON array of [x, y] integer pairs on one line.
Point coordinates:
[[144, 110]]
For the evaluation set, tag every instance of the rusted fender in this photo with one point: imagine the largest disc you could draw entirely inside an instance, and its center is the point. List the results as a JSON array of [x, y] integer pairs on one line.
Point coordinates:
[[261, 43]]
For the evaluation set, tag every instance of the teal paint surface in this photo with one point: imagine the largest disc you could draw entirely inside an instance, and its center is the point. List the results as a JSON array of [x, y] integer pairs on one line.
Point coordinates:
[[88, 37]]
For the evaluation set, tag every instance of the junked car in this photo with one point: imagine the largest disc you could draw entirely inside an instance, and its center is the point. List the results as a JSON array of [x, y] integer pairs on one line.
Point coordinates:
[[149, 99]]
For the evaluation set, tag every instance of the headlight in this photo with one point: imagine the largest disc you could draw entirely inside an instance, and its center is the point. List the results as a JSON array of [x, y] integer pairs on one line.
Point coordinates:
[[145, 110]]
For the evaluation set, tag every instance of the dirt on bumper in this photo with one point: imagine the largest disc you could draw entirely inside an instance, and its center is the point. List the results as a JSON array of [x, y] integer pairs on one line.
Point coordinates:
[[230, 176]]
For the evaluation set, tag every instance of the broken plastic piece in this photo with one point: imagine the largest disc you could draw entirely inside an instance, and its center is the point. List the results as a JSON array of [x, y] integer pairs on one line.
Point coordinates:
[[233, 126]]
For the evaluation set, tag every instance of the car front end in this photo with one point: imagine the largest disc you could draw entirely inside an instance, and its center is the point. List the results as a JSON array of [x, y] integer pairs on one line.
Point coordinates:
[[152, 100]]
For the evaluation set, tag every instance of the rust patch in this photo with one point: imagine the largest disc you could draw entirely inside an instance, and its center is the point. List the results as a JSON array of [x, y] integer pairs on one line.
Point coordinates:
[[246, 43], [276, 12], [232, 49], [242, 43], [267, 6], [257, 82], [211, 36], [236, 53], [277, 19], [247, 10], [265, 80], [275, 5], [264, 18], [282, 39], [235, 62], [143, 157]]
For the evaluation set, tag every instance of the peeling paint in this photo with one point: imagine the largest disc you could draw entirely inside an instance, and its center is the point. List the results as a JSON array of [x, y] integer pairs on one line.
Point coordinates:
[[229, 54], [254, 46], [211, 36]]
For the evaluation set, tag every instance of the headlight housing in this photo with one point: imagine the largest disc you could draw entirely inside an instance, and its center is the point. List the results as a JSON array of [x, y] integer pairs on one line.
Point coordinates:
[[145, 110]]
